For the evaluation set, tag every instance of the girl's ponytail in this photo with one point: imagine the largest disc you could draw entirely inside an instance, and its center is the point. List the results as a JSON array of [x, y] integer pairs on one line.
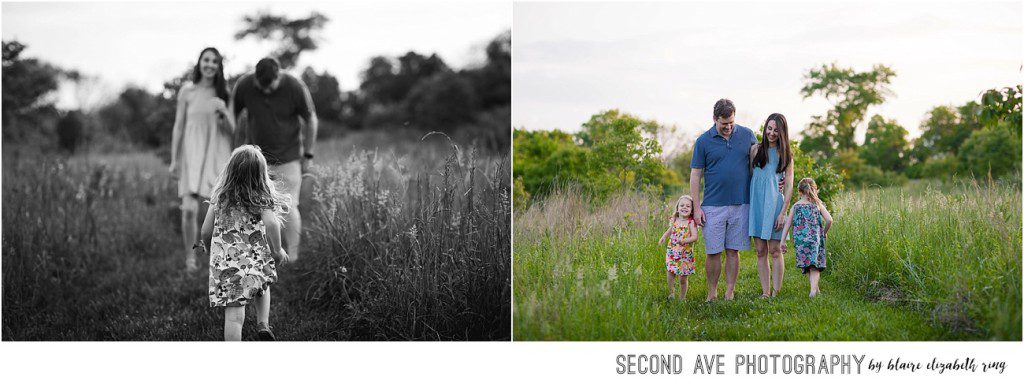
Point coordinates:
[[809, 188]]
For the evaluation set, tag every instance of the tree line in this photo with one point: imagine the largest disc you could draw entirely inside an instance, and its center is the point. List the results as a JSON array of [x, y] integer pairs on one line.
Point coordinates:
[[412, 91], [615, 149]]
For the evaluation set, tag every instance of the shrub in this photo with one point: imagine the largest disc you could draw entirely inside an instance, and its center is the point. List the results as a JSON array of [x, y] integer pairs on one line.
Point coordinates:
[[858, 173], [830, 181], [992, 150], [944, 167], [70, 129]]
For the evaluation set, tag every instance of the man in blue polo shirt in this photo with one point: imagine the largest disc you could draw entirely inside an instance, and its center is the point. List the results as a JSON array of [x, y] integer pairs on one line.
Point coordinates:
[[722, 156]]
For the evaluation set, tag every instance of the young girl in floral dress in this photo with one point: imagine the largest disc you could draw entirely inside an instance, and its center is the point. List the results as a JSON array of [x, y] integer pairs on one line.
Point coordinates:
[[243, 228], [810, 222], [682, 233]]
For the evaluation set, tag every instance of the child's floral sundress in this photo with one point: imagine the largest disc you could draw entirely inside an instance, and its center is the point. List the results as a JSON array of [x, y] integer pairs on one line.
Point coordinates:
[[808, 238], [241, 268], [679, 256]]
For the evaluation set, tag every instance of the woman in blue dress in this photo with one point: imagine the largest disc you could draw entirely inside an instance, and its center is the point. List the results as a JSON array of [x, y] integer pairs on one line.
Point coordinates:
[[771, 187]]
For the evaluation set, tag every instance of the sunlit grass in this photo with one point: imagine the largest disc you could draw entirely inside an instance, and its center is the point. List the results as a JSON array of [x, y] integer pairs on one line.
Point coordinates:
[[902, 266]]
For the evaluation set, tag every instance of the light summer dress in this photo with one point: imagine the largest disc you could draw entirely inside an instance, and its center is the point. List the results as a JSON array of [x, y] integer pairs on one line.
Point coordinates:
[[808, 237], [241, 268], [205, 147], [765, 199], [679, 256]]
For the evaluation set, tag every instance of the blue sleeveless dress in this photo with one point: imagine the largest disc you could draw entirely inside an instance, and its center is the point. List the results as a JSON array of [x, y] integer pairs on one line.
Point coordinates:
[[765, 199]]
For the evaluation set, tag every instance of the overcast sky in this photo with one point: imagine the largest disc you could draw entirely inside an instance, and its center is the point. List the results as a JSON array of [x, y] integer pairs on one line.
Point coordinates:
[[148, 43], [672, 61]]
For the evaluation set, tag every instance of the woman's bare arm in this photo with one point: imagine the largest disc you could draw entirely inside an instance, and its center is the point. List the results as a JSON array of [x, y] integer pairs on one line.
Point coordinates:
[[179, 128]]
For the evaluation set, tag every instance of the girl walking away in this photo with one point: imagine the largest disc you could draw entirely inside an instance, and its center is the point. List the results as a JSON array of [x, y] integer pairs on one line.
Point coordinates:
[[810, 222], [682, 233], [243, 228]]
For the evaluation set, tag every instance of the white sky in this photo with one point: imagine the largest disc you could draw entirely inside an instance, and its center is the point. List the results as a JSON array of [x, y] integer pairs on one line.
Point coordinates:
[[148, 43], [672, 61]]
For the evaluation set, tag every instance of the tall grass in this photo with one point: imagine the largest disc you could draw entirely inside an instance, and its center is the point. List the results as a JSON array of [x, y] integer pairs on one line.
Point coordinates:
[[953, 252], [411, 246], [87, 244], [405, 255], [585, 272]]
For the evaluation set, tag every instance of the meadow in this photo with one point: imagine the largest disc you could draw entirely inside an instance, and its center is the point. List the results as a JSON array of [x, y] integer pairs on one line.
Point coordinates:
[[406, 238], [927, 261]]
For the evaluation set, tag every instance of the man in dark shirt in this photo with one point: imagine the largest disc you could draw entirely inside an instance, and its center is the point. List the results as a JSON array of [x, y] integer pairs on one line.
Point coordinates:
[[277, 105]]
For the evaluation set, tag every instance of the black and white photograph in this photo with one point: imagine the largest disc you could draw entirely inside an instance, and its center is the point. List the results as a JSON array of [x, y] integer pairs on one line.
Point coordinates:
[[185, 171]]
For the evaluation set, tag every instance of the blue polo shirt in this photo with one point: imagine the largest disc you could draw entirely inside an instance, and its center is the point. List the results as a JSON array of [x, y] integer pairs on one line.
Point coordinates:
[[725, 164]]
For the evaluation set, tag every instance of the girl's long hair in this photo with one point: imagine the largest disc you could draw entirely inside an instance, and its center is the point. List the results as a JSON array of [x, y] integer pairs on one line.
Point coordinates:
[[675, 213], [785, 154], [220, 86], [245, 183], [809, 188]]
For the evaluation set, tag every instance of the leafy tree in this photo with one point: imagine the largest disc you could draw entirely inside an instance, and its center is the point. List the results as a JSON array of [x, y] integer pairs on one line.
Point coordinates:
[[991, 150], [830, 181], [294, 36], [857, 172], [520, 198], [325, 91], [885, 144], [27, 86], [548, 159], [70, 130], [493, 81], [442, 102], [680, 164], [998, 105], [940, 166], [940, 133], [851, 93], [388, 81], [624, 145], [353, 109]]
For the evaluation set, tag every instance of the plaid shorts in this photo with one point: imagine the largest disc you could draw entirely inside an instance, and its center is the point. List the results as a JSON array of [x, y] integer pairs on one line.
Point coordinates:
[[725, 227]]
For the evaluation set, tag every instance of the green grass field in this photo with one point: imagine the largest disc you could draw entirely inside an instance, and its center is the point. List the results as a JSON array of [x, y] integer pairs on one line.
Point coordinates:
[[403, 240], [922, 262]]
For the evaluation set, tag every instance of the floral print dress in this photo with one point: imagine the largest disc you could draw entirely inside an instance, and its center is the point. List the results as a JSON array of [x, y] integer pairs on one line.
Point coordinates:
[[808, 237], [241, 268], [679, 256]]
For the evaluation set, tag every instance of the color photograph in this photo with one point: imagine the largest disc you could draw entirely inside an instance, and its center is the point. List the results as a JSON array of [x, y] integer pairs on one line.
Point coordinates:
[[767, 171], [247, 171]]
